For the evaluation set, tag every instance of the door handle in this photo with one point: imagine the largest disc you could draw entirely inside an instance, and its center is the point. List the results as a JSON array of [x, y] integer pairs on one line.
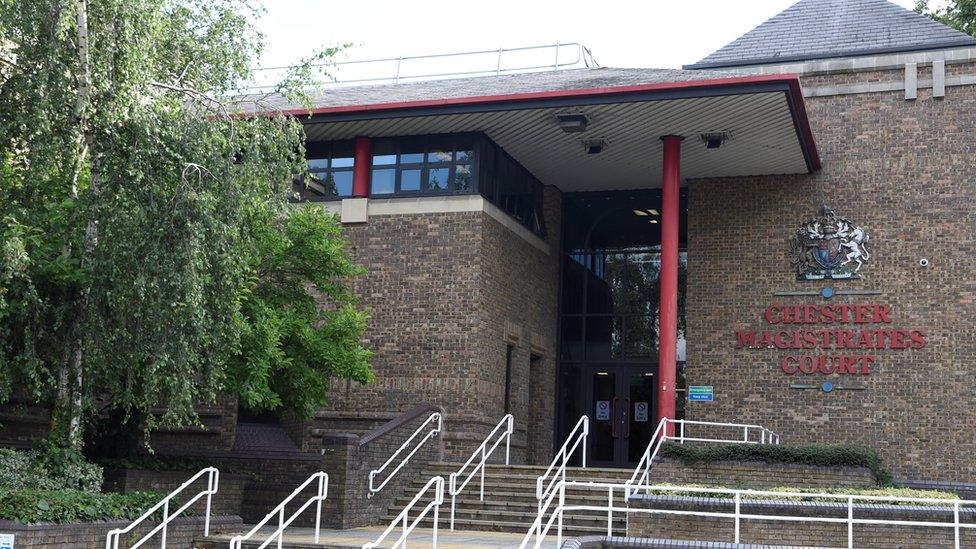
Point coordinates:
[[627, 419], [613, 417]]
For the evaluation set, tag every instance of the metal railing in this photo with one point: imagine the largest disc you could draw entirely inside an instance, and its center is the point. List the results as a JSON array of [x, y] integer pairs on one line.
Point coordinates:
[[577, 437], [434, 418], [322, 492], [642, 473], [213, 479], [494, 64], [508, 422], [540, 528], [402, 520]]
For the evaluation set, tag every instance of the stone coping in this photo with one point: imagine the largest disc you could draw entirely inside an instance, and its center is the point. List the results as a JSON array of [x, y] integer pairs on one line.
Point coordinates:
[[12, 526]]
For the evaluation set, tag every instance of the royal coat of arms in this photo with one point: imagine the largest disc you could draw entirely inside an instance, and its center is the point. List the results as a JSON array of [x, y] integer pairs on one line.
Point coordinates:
[[828, 246]]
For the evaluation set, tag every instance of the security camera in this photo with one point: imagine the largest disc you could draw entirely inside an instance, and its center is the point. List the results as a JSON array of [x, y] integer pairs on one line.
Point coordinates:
[[923, 262]]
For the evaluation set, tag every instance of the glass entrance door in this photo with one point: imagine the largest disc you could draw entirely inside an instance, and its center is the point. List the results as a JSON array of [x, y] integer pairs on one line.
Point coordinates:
[[622, 413]]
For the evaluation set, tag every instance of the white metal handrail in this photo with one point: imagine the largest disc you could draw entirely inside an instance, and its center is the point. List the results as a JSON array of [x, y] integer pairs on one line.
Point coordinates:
[[583, 58], [402, 520], [435, 418], [642, 473], [577, 437], [508, 422], [213, 479], [541, 529], [322, 492]]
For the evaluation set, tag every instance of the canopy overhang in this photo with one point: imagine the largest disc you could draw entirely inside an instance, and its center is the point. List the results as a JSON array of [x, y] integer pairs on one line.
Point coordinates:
[[765, 115]]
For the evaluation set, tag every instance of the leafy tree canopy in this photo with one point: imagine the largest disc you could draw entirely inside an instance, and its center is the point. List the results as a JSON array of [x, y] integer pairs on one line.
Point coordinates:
[[958, 14], [148, 255]]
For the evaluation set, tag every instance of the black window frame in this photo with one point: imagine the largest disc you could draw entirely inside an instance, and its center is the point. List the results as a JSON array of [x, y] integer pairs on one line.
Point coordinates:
[[328, 151], [424, 145]]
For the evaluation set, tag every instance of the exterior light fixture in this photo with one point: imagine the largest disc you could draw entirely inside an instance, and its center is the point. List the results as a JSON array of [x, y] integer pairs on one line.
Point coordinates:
[[594, 146], [714, 140], [654, 221], [640, 212], [652, 211], [573, 122]]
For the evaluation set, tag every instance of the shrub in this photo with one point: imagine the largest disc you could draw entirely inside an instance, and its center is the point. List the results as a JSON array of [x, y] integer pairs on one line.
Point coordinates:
[[885, 492], [152, 463], [50, 469], [810, 454], [61, 506]]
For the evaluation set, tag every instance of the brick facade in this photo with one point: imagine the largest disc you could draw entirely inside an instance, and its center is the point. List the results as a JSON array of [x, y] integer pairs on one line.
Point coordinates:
[[448, 292], [91, 535], [904, 170]]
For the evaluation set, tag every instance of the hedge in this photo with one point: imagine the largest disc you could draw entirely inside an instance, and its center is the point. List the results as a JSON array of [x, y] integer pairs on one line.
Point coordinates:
[[49, 469], [61, 506], [885, 492], [810, 454]]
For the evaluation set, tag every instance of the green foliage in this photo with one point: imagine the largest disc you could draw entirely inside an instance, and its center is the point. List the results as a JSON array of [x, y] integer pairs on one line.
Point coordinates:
[[958, 14], [809, 454], [883, 492], [62, 506], [55, 469], [144, 220], [290, 345], [153, 463]]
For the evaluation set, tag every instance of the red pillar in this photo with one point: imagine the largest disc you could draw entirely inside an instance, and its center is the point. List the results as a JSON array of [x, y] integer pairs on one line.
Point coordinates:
[[362, 162], [670, 211]]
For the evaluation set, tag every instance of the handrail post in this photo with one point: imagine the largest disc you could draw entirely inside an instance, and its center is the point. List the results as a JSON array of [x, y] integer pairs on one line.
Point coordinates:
[[955, 519], [562, 503], [745, 434], [318, 509], [165, 522], [850, 523], [610, 513], [738, 500], [586, 435], [404, 531], [681, 432], [498, 66], [452, 490], [484, 466], [555, 65]]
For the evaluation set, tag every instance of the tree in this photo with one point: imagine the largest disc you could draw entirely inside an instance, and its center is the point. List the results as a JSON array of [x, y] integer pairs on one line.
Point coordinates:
[[147, 242], [958, 14]]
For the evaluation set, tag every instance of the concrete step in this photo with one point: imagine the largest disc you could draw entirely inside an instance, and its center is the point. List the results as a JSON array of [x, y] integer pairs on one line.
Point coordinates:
[[504, 499]]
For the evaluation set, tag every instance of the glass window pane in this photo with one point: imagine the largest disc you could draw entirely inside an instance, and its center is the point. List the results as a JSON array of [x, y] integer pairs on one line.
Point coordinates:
[[342, 182], [412, 152], [463, 182], [342, 162], [384, 159], [604, 337], [640, 337], [410, 180], [383, 181], [318, 164], [464, 153], [314, 187], [437, 178], [572, 287], [439, 154], [572, 339]]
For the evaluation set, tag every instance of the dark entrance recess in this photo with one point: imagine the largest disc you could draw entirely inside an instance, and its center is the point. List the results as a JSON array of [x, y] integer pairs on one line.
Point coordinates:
[[609, 320]]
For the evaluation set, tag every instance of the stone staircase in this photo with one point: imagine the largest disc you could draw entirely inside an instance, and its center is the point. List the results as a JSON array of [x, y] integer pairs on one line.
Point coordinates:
[[510, 504]]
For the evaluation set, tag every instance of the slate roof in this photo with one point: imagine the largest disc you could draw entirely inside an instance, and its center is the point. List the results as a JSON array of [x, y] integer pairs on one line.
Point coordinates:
[[821, 29], [568, 79]]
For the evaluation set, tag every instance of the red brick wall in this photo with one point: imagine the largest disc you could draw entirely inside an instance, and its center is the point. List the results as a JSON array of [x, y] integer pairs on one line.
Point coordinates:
[[906, 172]]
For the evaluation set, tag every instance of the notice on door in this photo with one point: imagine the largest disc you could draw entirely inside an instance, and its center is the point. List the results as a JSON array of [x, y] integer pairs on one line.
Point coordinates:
[[603, 410], [640, 412], [6, 541]]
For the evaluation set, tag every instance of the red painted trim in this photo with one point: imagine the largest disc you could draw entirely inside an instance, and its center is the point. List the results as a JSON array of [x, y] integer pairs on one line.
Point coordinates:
[[806, 133], [362, 162], [796, 97], [549, 94], [668, 310]]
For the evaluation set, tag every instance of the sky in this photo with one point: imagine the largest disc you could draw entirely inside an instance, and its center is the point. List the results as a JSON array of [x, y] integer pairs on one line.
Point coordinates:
[[636, 33]]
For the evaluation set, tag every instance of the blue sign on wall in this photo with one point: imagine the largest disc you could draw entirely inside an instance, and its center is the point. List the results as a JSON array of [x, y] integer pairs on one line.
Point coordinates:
[[701, 393]]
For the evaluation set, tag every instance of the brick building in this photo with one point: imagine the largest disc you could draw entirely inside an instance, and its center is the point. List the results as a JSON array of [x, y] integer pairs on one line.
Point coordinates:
[[787, 221]]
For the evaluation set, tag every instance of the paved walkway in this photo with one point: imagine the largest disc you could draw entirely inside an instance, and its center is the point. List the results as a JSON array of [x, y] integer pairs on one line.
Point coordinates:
[[420, 538]]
